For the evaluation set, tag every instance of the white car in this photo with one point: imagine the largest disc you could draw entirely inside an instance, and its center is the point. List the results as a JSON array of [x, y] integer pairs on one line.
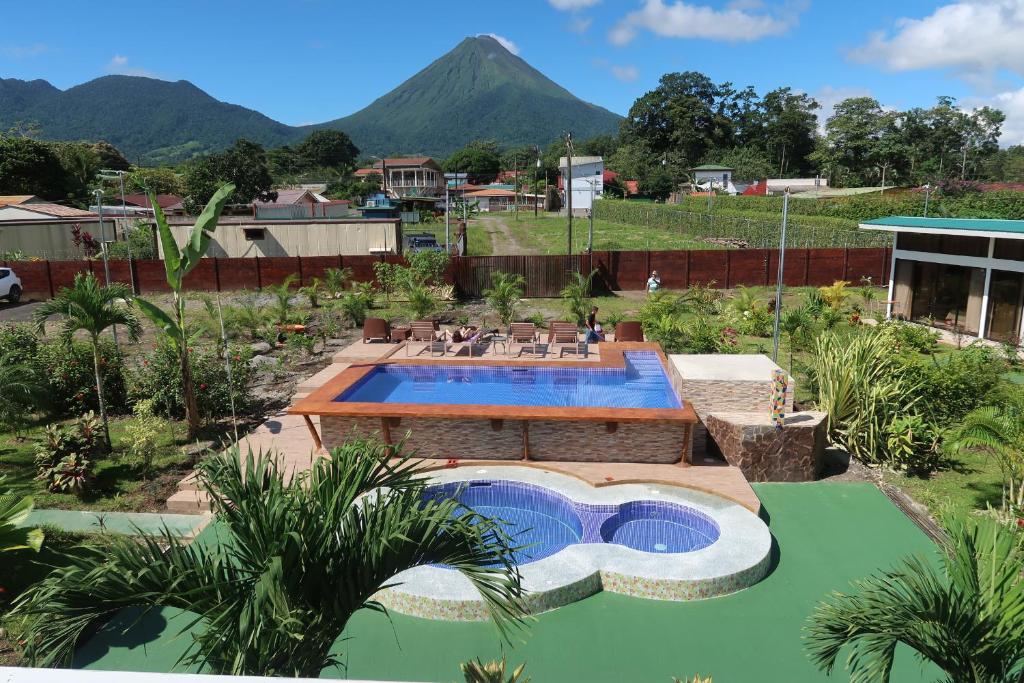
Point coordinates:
[[10, 285]]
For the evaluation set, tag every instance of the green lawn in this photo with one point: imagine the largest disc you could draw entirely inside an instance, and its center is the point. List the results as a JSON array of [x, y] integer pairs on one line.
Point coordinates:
[[827, 535], [117, 484]]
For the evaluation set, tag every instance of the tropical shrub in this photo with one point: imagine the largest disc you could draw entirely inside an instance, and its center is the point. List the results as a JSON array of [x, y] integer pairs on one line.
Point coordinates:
[[420, 300], [158, 378], [138, 244], [704, 298], [906, 336], [353, 307], [863, 388], [388, 277], [23, 391], [428, 267], [70, 379], [576, 296], [19, 342], [835, 295], [475, 671], [249, 316], [142, 436], [913, 443], [312, 292], [282, 304], [504, 294], [965, 614], [660, 304], [757, 322], [703, 336], [336, 279], [667, 330], [962, 383], [64, 458], [998, 430]]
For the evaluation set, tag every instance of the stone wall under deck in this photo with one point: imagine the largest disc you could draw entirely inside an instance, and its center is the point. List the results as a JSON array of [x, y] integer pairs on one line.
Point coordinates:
[[751, 442]]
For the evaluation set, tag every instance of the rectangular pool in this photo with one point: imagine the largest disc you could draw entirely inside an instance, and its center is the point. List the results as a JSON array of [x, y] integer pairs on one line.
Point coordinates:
[[641, 383]]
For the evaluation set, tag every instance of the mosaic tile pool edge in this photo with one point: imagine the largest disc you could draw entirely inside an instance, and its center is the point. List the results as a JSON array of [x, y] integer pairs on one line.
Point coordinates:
[[675, 590]]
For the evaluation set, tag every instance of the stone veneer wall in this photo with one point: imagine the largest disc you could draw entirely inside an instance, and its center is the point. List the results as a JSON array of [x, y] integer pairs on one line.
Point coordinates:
[[551, 440], [646, 442], [763, 453]]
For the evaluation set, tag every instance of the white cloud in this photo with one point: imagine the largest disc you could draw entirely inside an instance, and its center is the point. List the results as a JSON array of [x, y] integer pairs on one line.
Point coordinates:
[[505, 42], [828, 97], [971, 37], [579, 24], [626, 74], [24, 51], [119, 65], [572, 5], [1011, 103], [685, 20]]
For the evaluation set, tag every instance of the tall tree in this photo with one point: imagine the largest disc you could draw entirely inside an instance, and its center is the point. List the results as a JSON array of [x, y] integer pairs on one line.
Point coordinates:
[[179, 262], [31, 167], [328, 148], [297, 557], [243, 165], [790, 129], [481, 159], [851, 133], [92, 308]]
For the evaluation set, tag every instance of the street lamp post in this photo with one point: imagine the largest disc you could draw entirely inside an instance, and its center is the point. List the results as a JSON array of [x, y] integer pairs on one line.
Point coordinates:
[[536, 171], [779, 278], [107, 174], [927, 191]]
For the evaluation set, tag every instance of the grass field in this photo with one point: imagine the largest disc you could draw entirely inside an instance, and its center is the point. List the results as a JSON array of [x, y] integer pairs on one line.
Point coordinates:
[[827, 535]]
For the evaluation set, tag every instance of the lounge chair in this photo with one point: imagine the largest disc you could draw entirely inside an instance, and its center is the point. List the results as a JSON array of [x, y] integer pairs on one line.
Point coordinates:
[[376, 328], [562, 335], [524, 334], [629, 331], [426, 331]]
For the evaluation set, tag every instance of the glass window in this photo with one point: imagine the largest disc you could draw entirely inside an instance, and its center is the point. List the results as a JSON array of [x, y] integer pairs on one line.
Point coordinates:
[[947, 296], [4, 273], [943, 244], [1009, 249], [1005, 300]]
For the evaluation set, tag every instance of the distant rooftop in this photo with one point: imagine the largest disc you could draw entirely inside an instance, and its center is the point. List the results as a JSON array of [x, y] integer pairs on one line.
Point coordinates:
[[712, 167], [579, 161], [989, 227]]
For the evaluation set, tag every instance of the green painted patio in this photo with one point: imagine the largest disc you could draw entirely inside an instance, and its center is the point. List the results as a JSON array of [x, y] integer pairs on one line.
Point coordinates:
[[827, 534]]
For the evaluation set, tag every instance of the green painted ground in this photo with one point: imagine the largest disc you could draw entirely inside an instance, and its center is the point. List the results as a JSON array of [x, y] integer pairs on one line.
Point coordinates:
[[131, 523], [827, 534]]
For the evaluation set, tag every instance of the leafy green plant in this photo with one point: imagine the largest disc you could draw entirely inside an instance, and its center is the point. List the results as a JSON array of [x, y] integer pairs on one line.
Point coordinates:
[[908, 336], [965, 615], [428, 267], [248, 316], [24, 392], [13, 512], [913, 443], [814, 304], [421, 302], [388, 276], [312, 292], [835, 295], [537, 318], [475, 671], [703, 336], [68, 370], [504, 295], [703, 298], [612, 320], [962, 383], [336, 280], [158, 377], [666, 330], [89, 307], [64, 458], [283, 296], [300, 554], [142, 436], [660, 304], [999, 431], [797, 325], [576, 296], [179, 262]]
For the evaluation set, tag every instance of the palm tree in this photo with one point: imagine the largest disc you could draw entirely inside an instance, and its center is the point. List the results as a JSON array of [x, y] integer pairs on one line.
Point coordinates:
[[797, 324], [967, 617], [24, 392], [576, 295], [296, 557], [92, 308], [998, 431], [505, 292], [13, 511]]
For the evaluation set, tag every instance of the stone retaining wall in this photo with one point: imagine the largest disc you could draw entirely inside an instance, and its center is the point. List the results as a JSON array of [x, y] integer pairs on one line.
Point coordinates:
[[752, 443]]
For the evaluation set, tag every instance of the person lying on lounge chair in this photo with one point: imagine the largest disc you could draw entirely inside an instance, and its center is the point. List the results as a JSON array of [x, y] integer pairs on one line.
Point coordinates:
[[464, 333]]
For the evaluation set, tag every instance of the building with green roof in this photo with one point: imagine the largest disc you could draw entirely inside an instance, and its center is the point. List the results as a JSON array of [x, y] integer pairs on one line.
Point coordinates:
[[960, 274]]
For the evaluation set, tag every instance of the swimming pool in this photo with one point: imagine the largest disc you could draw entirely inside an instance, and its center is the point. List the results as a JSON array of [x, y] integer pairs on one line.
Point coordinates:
[[640, 383], [541, 522]]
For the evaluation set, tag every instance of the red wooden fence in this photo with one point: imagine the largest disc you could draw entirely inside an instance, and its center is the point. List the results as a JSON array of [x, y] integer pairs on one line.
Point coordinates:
[[545, 275]]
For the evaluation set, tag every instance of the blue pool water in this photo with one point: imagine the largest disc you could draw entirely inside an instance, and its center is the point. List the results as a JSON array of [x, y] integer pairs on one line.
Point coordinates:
[[544, 521], [642, 383]]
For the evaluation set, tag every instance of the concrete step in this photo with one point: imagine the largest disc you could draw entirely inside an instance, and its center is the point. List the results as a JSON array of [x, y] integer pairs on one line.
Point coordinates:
[[189, 502], [189, 483]]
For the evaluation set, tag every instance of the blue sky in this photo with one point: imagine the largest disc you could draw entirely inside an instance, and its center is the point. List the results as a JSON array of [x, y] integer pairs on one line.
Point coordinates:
[[305, 61]]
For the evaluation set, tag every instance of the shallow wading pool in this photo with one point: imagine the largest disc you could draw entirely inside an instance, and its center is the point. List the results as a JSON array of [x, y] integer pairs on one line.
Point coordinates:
[[573, 540]]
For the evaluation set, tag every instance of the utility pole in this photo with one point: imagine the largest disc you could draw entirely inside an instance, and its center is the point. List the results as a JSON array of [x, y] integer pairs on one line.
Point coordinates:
[[963, 165], [779, 278], [927, 190], [103, 249], [568, 185], [590, 235], [109, 175], [536, 170], [515, 179], [447, 220]]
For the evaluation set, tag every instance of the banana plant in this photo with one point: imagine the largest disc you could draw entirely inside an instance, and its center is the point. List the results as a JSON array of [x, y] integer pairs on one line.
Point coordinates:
[[179, 262]]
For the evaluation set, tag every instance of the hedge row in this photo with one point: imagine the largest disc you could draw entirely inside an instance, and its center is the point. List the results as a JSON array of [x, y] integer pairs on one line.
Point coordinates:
[[757, 230], [1001, 204]]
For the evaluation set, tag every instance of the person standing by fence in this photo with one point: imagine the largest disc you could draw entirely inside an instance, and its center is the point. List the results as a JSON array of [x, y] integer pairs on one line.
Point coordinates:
[[653, 282]]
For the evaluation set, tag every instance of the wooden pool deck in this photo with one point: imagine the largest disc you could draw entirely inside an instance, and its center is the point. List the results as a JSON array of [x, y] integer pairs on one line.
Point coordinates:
[[288, 436]]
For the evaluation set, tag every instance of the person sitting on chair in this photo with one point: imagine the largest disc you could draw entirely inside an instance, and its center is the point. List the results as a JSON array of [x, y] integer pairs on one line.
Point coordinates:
[[593, 332]]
